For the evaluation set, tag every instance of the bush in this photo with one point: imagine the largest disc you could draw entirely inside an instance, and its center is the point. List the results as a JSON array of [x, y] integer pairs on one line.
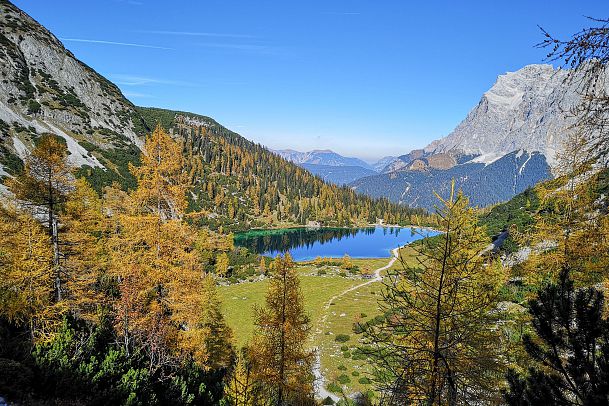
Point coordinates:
[[342, 338], [344, 348], [321, 272], [344, 379], [347, 354], [327, 401], [364, 380], [334, 388], [33, 106], [341, 367], [354, 373]]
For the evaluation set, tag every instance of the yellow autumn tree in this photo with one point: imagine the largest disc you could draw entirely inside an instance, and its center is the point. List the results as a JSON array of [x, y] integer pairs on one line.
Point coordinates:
[[82, 246], [241, 388], [43, 186], [222, 264], [26, 277], [153, 256], [439, 343], [570, 228], [347, 263], [280, 361]]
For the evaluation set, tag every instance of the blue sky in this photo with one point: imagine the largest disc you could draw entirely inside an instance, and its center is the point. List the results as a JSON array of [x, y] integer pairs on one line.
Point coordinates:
[[364, 78]]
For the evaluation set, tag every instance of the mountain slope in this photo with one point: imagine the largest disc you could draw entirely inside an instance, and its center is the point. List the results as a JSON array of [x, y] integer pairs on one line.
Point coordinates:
[[44, 88], [526, 109], [484, 184], [242, 184]]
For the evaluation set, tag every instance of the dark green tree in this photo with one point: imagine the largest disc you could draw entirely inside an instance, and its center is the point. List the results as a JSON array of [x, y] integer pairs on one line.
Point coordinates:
[[569, 351]]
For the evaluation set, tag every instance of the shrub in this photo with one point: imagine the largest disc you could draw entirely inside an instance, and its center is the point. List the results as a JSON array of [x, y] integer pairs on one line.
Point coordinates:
[[342, 338], [344, 379], [347, 354], [334, 388], [344, 348], [364, 380], [327, 401], [342, 367], [321, 272], [33, 106]]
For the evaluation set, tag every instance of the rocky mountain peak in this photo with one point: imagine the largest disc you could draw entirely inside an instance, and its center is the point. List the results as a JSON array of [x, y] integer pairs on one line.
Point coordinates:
[[527, 109]]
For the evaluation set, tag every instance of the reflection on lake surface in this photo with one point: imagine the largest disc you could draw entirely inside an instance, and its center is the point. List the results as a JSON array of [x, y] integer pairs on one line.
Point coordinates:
[[306, 244]]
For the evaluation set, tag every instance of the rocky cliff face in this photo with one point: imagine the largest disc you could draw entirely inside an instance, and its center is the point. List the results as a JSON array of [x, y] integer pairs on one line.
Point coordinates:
[[44, 88], [527, 109]]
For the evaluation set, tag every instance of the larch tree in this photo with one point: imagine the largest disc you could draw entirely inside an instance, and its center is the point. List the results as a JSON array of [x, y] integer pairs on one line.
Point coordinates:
[[27, 277], [222, 264], [153, 256], [83, 255], [281, 362], [44, 185], [571, 226], [439, 343], [586, 54]]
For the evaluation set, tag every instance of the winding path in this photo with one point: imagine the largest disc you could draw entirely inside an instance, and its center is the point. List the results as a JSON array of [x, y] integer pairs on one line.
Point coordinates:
[[320, 390]]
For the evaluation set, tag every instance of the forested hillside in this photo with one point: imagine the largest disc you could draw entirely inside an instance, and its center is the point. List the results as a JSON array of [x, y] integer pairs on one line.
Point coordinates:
[[242, 184]]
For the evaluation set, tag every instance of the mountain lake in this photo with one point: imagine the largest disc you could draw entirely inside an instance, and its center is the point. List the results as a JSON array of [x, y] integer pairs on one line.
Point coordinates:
[[308, 243]]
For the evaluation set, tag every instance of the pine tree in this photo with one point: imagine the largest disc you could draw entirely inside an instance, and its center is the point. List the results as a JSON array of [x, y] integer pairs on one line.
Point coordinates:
[[438, 343], [569, 350], [281, 363]]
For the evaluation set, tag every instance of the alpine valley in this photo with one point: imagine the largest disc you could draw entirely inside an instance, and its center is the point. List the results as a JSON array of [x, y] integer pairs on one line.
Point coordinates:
[[150, 256]]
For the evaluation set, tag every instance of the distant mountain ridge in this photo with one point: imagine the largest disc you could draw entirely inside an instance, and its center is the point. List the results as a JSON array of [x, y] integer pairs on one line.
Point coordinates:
[[340, 175], [321, 157]]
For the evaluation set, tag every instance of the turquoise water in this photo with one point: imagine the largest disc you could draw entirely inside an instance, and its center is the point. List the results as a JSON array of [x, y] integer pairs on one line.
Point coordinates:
[[306, 244]]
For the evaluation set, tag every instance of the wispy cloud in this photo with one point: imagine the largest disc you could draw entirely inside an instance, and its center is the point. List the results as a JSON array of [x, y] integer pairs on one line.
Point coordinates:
[[195, 34], [131, 2], [137, 94], [135, 80], [126, 44]]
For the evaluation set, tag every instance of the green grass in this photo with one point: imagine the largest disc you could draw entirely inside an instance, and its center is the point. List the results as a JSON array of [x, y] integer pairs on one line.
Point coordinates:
[[238, 300], [358, 305]]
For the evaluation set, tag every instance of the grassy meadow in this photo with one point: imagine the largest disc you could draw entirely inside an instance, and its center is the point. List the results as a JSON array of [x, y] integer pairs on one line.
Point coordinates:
[[332, 319]]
